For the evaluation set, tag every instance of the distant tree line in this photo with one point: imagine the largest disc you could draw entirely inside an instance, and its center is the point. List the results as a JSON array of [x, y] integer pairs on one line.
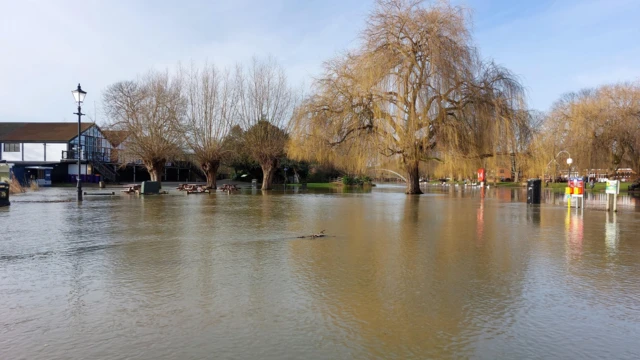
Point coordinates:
[[415, 96], [206, 115]]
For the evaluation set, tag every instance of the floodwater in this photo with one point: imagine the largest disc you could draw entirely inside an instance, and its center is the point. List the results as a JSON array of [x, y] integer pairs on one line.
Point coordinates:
[[454, 273]]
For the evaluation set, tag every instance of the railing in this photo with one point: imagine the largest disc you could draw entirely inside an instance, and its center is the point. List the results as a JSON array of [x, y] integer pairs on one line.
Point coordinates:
[[97, 160], [105, 170], [91, 156]]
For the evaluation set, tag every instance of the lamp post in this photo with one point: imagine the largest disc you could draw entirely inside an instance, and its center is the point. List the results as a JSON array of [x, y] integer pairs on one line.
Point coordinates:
[[569, 162], [78, 95]]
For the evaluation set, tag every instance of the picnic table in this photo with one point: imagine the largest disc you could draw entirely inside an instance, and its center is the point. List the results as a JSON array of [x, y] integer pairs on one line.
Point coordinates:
[[131, 188], [193, 188], [229, 187]]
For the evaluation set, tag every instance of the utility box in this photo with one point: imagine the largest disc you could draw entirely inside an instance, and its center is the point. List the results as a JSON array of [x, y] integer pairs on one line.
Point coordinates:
[[534, 191], [4, 194], [150, 187]]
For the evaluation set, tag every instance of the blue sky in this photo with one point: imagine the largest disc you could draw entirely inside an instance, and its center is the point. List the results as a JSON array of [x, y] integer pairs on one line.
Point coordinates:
[[48, 46]]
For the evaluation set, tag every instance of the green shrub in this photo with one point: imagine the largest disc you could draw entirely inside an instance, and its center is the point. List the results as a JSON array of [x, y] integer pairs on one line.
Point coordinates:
[[348, 180], [356, 180], [364, 179]]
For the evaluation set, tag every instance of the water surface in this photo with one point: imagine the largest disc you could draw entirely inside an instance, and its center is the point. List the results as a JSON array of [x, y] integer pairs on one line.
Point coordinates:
[[454, 273]]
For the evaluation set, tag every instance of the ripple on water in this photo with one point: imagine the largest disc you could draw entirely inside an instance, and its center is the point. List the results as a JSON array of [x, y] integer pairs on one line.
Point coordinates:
[[448, 275]]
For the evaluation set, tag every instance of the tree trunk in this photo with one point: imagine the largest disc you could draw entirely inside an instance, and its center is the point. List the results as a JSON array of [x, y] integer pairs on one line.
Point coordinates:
[[268, 169], [413, 178], [210, 170], [155, 169]]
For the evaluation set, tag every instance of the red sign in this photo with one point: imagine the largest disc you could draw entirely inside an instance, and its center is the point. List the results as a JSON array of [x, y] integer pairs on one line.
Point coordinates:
[[576, 186], [481, 175]]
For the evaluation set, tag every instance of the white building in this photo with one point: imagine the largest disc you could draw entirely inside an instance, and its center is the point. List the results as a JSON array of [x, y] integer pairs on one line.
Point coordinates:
[[46, 152]]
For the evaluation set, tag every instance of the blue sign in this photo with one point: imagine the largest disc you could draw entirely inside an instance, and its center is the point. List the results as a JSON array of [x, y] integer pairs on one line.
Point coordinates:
[[47, 177]]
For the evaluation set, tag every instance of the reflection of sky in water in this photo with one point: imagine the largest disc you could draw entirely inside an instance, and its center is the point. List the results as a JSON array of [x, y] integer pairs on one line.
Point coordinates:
[[456, 273]]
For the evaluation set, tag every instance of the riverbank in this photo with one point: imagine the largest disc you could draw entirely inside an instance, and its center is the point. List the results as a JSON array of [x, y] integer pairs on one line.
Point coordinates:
[[599, 187], [316, 185]]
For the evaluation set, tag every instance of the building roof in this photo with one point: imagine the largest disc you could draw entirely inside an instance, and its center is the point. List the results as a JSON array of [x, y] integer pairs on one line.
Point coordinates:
[[115, 137], [40, 132]]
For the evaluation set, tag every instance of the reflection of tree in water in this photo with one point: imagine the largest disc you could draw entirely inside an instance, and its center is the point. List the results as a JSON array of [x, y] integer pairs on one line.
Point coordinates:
[[635, 197], [417, 285], [148, 264]]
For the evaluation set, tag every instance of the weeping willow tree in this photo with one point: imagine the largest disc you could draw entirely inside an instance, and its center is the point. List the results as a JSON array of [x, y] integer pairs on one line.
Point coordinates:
[[413, 91], [599, 127]]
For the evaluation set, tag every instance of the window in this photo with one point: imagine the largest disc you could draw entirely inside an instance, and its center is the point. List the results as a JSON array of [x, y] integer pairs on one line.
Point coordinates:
[[11, 147]]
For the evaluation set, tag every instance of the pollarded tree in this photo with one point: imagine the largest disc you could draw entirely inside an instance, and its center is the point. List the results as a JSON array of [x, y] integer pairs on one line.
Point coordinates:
[[211, 100], [148, 110], [414, 89], [265, 107], [265, 142]]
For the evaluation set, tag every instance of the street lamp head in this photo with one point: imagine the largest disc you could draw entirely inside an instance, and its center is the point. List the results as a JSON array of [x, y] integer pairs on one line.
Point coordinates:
[[79, 94], [569, 161]]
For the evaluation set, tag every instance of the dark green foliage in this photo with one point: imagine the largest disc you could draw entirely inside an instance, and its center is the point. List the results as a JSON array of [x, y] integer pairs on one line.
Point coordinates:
[[356, 180]]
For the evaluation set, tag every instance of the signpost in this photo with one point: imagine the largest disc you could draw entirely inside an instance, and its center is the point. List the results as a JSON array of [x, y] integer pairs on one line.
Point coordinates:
[[481, 176], [575, 191], [612, 190]]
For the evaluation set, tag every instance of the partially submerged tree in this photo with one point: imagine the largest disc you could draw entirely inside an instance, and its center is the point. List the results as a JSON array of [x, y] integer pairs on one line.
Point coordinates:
[[414, 90], [265, 107], [211, 100], [148, 110], [239, 158], [265, 143]]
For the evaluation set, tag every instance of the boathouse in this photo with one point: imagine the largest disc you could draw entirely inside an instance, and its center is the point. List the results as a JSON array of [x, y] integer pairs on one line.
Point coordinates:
[[47, 152]]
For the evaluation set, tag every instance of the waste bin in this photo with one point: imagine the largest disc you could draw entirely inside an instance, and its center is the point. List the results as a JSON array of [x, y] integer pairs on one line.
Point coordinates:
[[4, 194], [150, 187], [534, 190]]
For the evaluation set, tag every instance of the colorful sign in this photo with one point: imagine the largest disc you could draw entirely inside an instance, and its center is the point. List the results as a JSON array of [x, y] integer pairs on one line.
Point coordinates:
[[613, 187], [576, 186], [481, 175]]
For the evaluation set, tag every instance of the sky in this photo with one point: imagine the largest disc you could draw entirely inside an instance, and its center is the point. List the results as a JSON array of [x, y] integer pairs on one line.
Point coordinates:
[[48, 46]]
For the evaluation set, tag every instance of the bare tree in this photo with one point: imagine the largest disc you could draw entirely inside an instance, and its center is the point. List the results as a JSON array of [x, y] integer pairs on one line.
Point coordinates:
[[148, 110], [266, 103], [413, 91], [600, 127], [211, 100]]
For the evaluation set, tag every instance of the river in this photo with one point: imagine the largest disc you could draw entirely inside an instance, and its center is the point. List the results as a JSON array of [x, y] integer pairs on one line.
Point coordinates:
[[454, 273]]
